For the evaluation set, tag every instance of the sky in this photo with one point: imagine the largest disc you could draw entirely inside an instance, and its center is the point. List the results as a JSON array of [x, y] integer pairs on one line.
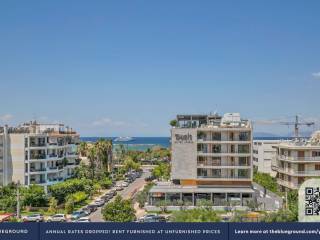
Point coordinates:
[[126, 68]]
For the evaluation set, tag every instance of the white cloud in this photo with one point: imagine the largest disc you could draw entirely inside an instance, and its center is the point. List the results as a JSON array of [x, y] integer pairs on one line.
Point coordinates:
[[6, 117], [316, 75]]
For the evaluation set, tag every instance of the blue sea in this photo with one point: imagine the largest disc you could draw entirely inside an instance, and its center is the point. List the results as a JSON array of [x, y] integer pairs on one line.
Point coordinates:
[[143, 143]]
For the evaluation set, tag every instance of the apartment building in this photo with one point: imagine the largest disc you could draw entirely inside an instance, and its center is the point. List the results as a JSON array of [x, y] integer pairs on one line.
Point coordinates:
[[263, 153], [211, 160], [34, 153], [297, 161]]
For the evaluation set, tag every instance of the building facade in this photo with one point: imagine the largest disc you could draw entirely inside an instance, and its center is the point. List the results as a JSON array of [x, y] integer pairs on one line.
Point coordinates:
[[263, 153], [211, 160], [297, 161], [41, 154]]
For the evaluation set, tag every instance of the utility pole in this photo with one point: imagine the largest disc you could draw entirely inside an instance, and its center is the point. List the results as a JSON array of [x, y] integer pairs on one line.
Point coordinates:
[[18, 200]]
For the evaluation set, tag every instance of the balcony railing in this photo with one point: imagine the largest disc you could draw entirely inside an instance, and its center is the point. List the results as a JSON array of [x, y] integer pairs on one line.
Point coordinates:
[[223, 152], [38, 156], [284, 157], [225, 177], [287, 184], [38, 170], [292, 171]]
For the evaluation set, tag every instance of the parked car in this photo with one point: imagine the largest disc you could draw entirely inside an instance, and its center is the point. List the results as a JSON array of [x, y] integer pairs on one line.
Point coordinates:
[[119, 188], [99, 202], [57, 218], [113, 192], [34, 218], [78, 214], [83, 219], [125, 184], [152, 218], [92, 207], [149, 179]]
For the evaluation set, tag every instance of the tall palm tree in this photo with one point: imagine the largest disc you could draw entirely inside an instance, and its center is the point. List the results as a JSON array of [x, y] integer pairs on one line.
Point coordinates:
[[91, 155], [83, 149], [104, 154]]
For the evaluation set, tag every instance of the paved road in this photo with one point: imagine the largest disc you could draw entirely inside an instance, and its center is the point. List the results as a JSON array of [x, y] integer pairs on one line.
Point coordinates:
[[128, 192], [269, 201]]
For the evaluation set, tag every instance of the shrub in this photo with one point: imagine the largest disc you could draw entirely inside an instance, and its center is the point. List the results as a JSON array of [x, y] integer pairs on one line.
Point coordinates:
[[53, 204], [69, 205]]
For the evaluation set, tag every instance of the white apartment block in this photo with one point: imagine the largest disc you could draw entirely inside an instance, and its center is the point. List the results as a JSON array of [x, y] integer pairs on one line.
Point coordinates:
[[211, 160], [297, 161], [263, 153], [42, 154]]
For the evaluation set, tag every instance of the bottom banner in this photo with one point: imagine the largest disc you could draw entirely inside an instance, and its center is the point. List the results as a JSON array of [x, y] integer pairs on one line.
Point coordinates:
[[154, 231]]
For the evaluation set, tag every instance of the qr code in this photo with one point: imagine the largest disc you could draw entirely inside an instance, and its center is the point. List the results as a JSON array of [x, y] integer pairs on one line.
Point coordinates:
[[312, 201]]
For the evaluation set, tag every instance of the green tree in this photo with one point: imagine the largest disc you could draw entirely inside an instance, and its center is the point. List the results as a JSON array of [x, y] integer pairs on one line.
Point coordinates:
[[69, 205], [119, 210], [162, 171], [53, 205], [34, 195], [174, 123], [83, 149], [266, 181]]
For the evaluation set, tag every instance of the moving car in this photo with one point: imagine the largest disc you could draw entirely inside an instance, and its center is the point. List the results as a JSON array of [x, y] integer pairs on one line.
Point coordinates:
[[34, 218], [57, 218], [78, 214]]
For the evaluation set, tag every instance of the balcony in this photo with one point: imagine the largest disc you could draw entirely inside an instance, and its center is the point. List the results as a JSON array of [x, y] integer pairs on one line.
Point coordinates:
[[226, 177], [287, 184], [34, 170], [38, 156], [294, 172], [298, 159], [41, 144]]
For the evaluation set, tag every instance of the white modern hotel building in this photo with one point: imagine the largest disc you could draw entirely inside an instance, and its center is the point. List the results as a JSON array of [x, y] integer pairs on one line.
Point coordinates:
[[211, 160]]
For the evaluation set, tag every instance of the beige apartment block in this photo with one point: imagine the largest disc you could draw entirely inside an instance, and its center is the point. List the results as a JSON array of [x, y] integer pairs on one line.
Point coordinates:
[[42, 154], [297, 161], [263, 155], [211, 160]]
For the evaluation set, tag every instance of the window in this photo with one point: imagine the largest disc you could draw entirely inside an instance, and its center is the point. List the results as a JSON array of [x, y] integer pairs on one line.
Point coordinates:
[[216, 148], [243, 173], [244, 136], [317, 167], [243, 148], [216, 136], [315, 154]]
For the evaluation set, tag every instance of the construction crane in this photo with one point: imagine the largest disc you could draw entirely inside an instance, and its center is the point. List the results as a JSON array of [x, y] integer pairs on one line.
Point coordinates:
[[296, 125]]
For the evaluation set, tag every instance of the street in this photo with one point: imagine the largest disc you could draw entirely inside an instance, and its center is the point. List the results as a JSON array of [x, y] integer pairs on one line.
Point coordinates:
[[128, 192]]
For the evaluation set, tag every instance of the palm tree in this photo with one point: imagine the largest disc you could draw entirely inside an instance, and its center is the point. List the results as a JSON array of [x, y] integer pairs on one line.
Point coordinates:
[[91, 154], [83, 149], [104, 154]]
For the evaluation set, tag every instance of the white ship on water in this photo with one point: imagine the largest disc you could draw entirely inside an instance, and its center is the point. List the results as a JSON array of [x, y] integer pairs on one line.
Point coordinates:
[[123, 139]]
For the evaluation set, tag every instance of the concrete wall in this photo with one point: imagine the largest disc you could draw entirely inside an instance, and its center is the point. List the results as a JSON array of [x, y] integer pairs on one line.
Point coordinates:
[[184, 153], [15, 158]]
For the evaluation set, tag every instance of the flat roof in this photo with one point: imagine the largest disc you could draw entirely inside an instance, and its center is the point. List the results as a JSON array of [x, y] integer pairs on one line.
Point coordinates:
[[196, 189]]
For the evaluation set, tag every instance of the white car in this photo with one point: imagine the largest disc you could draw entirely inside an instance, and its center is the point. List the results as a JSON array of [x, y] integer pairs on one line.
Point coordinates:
[[57, 218], [125, 184], [83, 219], [99, 202]]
